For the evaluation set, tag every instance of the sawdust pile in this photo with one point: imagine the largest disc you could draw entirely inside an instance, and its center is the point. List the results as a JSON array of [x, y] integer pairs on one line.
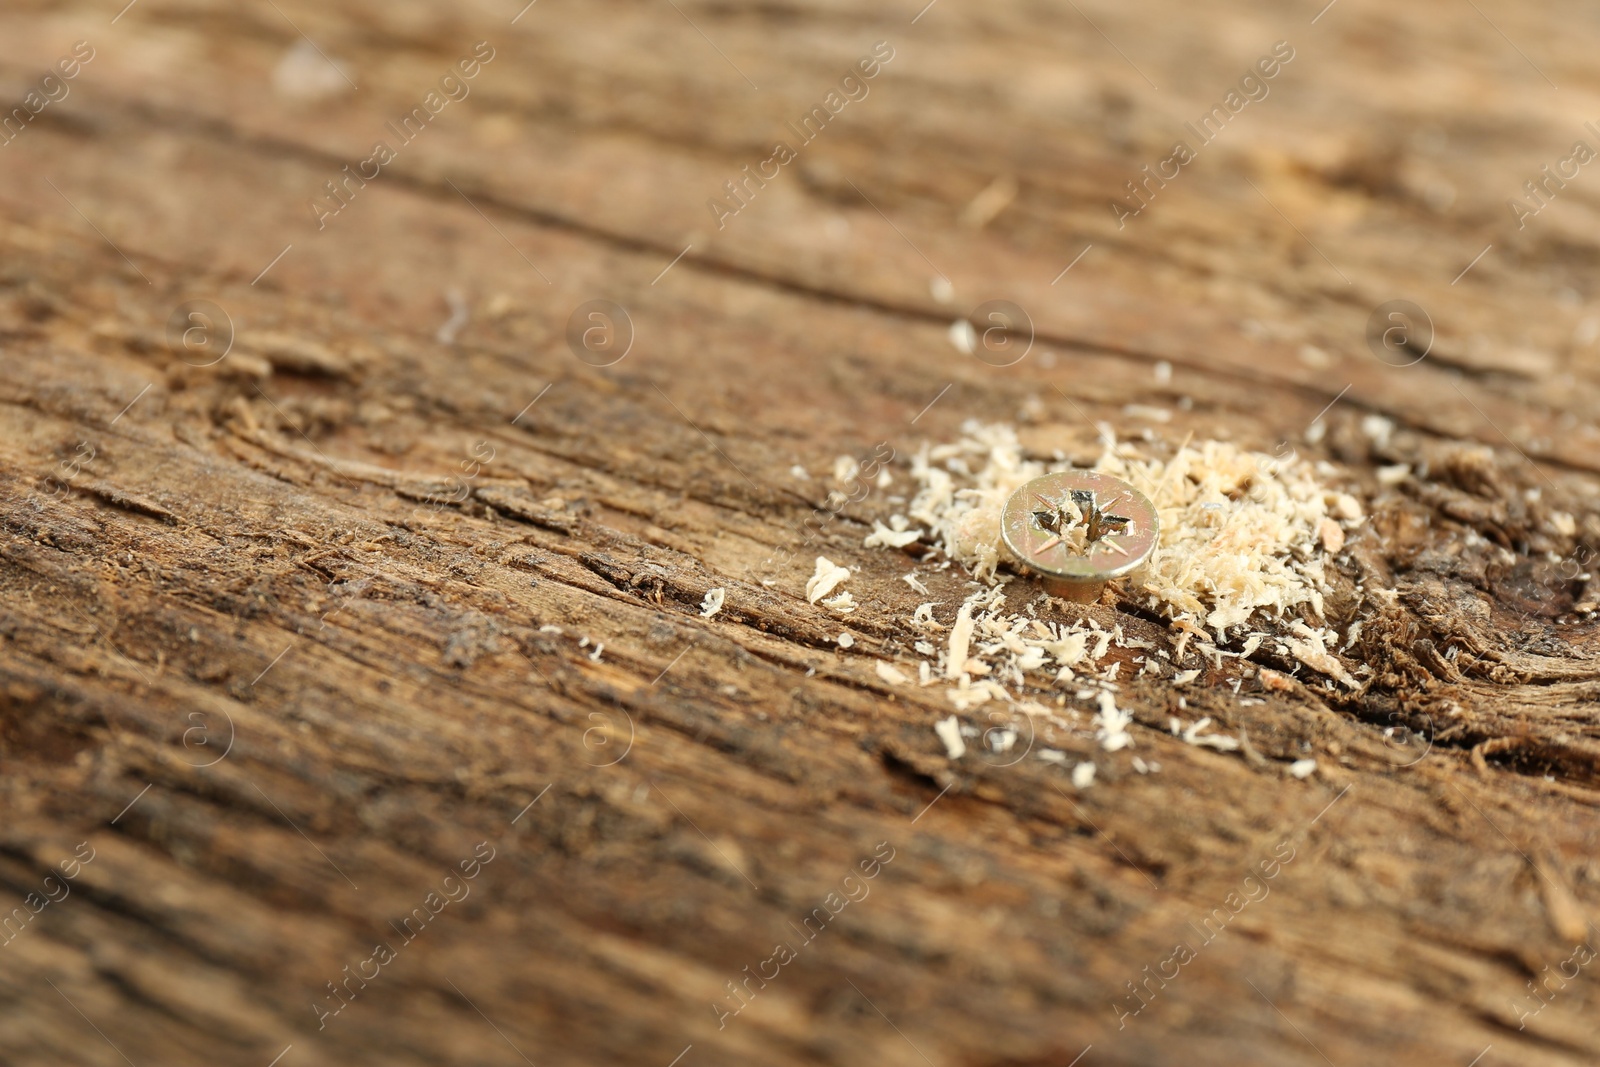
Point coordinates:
[[1241, 532], [1242, 557]]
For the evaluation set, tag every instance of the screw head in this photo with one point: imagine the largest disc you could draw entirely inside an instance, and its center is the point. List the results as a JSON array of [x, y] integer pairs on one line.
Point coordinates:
[[1079, 530]]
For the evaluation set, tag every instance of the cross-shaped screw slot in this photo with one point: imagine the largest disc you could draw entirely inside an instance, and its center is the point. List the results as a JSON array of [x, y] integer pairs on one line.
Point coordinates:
[[1098, 522], [1097, 541]]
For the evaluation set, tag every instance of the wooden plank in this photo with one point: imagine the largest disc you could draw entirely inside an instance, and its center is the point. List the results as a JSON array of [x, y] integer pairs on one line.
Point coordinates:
[[285, 646]]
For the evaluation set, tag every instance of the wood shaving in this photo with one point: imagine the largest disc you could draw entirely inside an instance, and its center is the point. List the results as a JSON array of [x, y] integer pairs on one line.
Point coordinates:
[[304, 75], [963, 336], [1112, 724], [844, 603], [1394, 475], [960, 640], [1331, 535], [1147, 412], [890, 673], [1271, 679], [1001, 740], [884, 537], [827, 577], [949, 731], [1310, 647], [1352, 636], [967, 699], [1193, 736], [1378, 429]]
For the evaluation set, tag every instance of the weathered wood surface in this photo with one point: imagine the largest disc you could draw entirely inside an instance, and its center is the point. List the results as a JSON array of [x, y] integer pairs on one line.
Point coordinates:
[[253, 555]]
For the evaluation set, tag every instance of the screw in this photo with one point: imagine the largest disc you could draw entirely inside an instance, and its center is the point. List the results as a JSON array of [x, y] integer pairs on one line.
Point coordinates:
[[1078, 530]]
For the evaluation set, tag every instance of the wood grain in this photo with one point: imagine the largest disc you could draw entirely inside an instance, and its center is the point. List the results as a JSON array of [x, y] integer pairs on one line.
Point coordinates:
[[283, 648]]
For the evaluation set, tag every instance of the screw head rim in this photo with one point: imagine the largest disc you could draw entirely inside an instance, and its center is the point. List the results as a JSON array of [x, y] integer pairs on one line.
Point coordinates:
[[1117, 553]]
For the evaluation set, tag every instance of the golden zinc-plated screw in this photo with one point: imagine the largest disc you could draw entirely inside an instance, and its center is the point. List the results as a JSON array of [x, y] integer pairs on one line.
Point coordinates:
[[1078, 530]]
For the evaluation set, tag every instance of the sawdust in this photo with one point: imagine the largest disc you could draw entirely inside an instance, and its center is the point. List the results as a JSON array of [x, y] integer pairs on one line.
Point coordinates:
[[1241, 533], [1245, 543]]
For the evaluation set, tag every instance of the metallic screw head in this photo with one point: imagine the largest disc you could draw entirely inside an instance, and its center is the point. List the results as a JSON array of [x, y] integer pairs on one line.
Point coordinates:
[[1078, 530]]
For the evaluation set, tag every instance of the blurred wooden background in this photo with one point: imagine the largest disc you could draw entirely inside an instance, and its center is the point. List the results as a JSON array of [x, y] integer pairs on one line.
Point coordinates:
[[281, 692]]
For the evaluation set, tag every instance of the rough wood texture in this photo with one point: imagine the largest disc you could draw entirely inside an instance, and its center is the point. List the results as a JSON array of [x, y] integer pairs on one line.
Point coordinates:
[[284, 553]]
